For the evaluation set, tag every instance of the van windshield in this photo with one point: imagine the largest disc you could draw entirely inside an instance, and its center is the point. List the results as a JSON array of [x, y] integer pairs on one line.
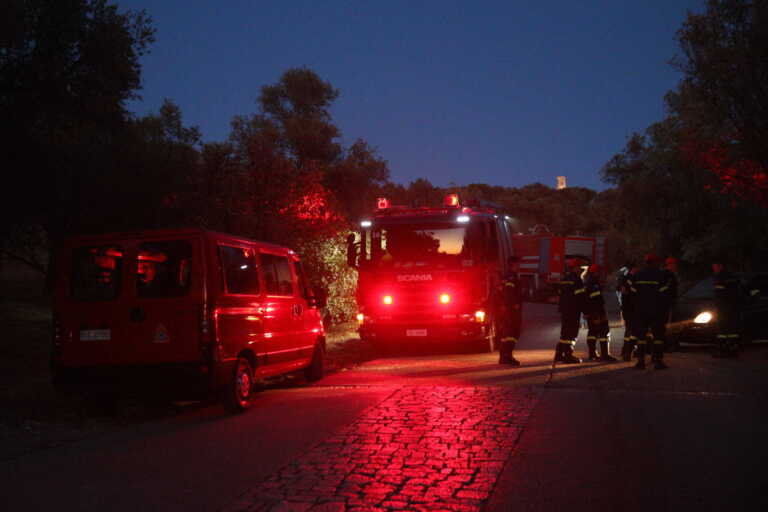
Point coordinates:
[[97, 272], [164, 269]]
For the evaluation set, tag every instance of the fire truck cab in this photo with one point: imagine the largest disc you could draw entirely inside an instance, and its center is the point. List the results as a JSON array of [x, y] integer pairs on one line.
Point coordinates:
[[428, 274]]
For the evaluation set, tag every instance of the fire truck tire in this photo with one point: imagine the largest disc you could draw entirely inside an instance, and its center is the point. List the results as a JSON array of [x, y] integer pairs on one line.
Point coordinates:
[[316, 369], [237, 394]]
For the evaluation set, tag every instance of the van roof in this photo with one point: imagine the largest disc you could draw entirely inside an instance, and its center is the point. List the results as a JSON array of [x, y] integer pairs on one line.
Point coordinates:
[[164, 233]]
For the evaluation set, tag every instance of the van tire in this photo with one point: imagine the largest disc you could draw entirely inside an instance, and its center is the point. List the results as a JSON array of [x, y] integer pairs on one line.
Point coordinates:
[[316, 369], [238, 392]]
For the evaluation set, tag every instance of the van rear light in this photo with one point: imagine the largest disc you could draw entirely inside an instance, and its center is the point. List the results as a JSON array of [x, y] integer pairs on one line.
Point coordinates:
[[480, 316], [360, 318], [60, 334], [57, 332], [205, 326]]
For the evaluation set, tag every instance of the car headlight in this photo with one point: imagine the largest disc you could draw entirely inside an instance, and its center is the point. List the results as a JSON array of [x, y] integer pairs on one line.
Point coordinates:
[[703, 318]]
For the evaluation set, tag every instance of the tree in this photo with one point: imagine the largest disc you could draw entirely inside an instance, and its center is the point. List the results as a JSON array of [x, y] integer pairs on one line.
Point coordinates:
[[666, 204], [723, 99], [67, 67], [299, 104]]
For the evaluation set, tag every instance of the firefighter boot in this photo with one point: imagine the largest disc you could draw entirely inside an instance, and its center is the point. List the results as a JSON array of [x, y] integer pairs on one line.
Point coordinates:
[[567, 356], [505, 353], [591, 353], [604, 354], [657, 355], [640, 365]]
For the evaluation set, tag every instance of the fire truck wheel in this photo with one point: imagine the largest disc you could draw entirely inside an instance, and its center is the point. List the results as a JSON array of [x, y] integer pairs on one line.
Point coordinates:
[[316, 368], [239, 390]]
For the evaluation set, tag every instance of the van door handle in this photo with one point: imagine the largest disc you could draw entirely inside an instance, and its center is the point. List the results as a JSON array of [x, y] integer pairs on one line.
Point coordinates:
[[137, 314], [297, 310]]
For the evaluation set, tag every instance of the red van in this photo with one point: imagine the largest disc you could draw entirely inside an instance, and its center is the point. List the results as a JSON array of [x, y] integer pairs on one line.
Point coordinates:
[[181, 312]]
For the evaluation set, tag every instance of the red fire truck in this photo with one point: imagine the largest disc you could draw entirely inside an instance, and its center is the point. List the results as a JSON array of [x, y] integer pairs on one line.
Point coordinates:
[[427, 274], [542, 259]]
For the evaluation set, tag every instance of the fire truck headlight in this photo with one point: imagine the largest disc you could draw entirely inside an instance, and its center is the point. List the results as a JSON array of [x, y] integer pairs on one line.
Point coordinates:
[[445, 298], [480, 316], [703, 318], [462, 218], [388, 300]]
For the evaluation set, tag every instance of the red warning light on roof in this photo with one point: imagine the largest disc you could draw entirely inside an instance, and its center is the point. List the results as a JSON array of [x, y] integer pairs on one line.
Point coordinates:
[[451, 200], [382, 203]]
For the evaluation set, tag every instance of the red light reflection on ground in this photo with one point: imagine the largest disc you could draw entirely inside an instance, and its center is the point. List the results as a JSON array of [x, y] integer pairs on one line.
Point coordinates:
[[422, 448]]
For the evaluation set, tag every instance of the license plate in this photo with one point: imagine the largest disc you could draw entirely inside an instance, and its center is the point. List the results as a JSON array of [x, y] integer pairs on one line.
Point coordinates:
[[415, 332], [95, 335]]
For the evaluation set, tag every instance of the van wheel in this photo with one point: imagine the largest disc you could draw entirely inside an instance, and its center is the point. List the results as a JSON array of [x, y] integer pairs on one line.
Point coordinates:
[[316, 368], [239, 389]]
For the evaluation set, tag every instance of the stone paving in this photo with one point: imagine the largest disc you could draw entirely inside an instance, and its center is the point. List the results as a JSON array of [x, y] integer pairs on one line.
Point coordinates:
[[422, 448]]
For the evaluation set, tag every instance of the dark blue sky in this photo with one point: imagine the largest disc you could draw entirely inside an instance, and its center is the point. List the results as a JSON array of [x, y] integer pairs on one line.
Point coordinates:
[[499, 92]]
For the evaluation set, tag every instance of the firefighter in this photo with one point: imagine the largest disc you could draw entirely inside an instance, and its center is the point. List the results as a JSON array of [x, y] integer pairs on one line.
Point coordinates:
[[727, 302], [624, 291], [647, 304], [509, 311], [598, 332], [571, 304], [670, 296]]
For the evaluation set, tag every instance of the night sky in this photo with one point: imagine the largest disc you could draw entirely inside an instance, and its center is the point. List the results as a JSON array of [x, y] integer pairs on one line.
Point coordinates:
[[498, 92]]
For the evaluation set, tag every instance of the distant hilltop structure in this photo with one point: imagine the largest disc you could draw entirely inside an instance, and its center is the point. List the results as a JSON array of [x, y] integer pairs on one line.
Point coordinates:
[[561, 182]]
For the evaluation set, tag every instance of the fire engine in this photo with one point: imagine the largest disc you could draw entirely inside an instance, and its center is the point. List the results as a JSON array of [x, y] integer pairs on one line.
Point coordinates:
[[428, 273], [542, 260]]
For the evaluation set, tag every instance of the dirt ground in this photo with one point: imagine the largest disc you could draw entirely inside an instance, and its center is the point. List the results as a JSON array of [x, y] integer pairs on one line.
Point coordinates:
[[33, 416]]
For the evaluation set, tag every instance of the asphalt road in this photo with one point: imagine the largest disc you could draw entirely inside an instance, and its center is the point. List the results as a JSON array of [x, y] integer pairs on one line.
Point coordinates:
[[434, 428]]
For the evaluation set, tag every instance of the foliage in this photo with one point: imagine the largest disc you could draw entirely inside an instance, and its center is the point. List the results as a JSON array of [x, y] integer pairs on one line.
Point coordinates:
[[67, 67], [283, 177], [722, 99], [670, 207]]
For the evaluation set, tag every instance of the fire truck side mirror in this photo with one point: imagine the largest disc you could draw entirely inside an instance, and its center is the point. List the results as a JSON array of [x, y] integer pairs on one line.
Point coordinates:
[[351, 251], [319, 297]]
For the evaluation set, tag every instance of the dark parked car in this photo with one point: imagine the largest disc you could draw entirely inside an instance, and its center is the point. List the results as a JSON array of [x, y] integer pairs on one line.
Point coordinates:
[[694, 318]]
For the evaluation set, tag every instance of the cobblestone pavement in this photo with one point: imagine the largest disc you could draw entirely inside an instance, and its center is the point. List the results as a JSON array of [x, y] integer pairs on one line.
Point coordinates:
[[422, 448]]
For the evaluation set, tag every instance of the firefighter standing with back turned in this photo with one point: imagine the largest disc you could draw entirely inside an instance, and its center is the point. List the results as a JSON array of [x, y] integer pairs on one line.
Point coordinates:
[[570, 306], [648, 307], [670, 295], [624, 286], [509, 311], [597, 319], [727, 298]]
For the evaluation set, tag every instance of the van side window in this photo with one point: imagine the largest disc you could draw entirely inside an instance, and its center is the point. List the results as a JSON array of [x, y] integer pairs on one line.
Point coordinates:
[[277, 275], [163, 269], [241, 277], [97, 272]]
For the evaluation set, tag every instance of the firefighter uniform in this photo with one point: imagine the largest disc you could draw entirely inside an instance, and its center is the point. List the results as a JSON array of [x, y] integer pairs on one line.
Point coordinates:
[[509, 312], [597, 320], [571, 291], [669, 295], [624, 286], [647, 315], [727, 302]]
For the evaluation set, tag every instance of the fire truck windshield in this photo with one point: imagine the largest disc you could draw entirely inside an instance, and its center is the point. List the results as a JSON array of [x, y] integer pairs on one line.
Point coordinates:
[[435, 246]]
